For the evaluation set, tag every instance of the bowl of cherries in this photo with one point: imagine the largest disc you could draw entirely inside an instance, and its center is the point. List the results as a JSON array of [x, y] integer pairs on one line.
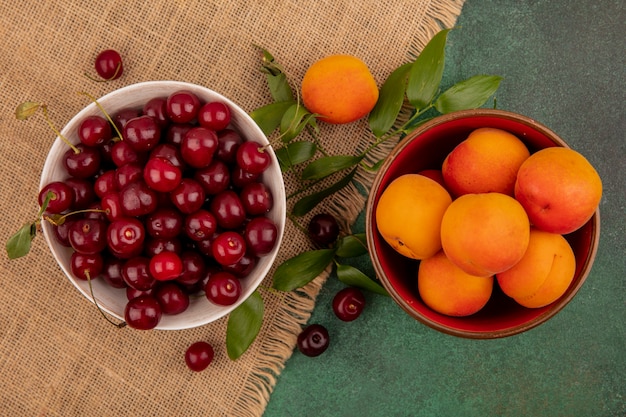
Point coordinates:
[[168, 207]]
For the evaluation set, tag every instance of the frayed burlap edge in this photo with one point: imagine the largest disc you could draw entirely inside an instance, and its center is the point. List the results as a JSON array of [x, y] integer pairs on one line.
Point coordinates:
[[346, 205]]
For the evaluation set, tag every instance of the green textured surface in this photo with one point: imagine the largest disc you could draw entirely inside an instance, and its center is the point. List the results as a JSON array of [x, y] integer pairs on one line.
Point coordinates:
[[564, 65]]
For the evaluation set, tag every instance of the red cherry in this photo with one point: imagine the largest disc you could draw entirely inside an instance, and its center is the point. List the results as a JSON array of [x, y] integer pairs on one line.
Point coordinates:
[[214, 115], [223, 288], [348, 303], [161, 175], [166, 266], [109, 65], [143, 312], [252, 157], [199, 356]]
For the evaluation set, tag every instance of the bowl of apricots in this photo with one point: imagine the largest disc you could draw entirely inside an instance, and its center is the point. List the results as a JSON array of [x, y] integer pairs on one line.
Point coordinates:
[[483, 223]]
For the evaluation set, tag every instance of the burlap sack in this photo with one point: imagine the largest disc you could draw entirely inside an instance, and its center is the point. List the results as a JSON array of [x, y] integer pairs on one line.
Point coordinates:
[[58, 357]]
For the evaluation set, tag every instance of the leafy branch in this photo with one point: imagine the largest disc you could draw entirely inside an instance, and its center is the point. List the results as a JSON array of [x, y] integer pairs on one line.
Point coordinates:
[[414, 85]]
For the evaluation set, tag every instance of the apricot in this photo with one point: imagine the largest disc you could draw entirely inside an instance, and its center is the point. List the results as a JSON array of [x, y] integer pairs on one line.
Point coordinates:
[[409, 213], [339, 88], [485, 234], [559, 189], [543, 274], [449, 290], [487, 161]]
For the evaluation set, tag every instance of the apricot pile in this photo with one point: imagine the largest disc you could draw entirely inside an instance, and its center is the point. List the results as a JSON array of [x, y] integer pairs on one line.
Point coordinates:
[[493, 212]]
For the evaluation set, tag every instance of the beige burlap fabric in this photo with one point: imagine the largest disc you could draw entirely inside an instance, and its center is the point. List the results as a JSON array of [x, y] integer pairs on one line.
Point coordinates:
[[58, 357]]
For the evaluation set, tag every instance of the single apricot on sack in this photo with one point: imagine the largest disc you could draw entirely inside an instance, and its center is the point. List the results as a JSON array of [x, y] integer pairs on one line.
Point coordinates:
[[409, 213], [486, 161], [339, 88], [543, 274], [559, 189], [449, 290], [485, 234]]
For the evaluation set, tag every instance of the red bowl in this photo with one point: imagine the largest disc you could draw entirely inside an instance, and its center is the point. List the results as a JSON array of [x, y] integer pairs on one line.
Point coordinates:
[[426, 148]]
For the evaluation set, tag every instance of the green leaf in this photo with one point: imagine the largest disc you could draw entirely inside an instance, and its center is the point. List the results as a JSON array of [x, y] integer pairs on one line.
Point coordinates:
[[294, 120], [308, 203], [468, 94], [279, 87], [19, 244], [349, 275], [295, 153], [427, 71], [298, 271], [269, 116], [243, 325], [327, 165], [26, 109], [390, 99], [351, 246]]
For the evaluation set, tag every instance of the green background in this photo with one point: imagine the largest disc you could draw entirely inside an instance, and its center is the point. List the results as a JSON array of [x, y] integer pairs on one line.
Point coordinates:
[[563, 64]]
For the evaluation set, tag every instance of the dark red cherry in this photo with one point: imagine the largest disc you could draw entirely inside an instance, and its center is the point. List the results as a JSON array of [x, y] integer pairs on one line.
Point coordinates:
[[84, 193], [199, 356], [240, 177], [214, 115], [194, 268], [253, 157], [112, 272], [176, 132], [243, 266], [94, 131], [188, 196], [84, 164], [133, 293], [62, 197], [88, 236], [86, 266], [323, 229], [198, 147], [136, 273], [348, 303], [313, 340], [125, 237], [157, 109], [228, 209], [161, 175], [127, 174], [223, 288], [142, 133], [200, 225], [164, 223], [112, 206], [170, 152], [228, 141], [137, 199], [182, 106], [143, 312], [260, 235], [228, 247], [214, 178], [172, 298], [155, 245], [123, 116], [123, 153], [256, 198], [109, 65], [105, 183]]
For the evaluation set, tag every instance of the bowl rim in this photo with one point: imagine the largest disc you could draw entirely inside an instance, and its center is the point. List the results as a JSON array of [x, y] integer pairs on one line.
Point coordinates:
[[558, 305], [242, 119]]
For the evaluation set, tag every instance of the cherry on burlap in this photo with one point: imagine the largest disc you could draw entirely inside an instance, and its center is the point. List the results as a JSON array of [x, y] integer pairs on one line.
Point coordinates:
[[58, 357]]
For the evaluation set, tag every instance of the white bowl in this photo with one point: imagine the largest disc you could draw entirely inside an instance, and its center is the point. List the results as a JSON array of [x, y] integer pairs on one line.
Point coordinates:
[[113, 300]]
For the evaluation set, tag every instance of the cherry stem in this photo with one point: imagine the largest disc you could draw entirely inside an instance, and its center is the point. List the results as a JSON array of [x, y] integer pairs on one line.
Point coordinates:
[[44, 108], [61, 219], [92, 98], [118, 325]]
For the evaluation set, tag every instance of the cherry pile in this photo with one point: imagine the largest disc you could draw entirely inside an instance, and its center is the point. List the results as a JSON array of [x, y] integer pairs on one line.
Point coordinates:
[[174, 208]]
